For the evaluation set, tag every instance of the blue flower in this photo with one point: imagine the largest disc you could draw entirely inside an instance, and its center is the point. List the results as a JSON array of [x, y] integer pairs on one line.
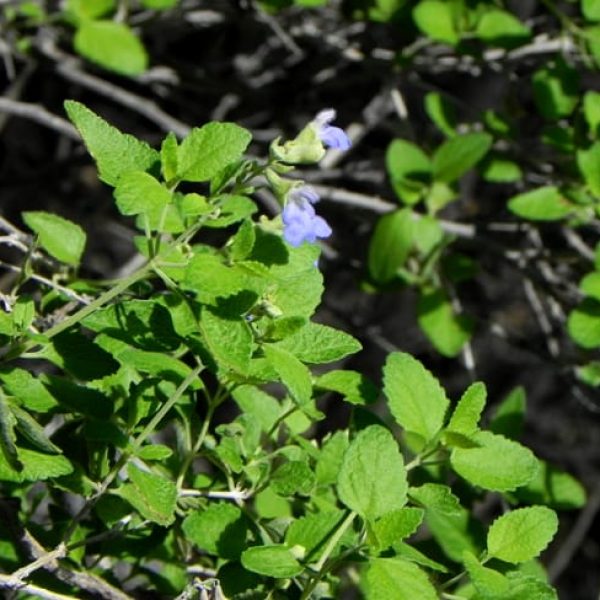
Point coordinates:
[[300, 222], [331, 136]]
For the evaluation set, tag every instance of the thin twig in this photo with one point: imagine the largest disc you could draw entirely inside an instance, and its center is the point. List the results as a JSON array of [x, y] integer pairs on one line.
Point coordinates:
[[37, 113], [8, 582], [68, 67]]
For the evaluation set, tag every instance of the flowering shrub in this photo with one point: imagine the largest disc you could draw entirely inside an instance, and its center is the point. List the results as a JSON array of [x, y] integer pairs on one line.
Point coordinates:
[[169, 444]]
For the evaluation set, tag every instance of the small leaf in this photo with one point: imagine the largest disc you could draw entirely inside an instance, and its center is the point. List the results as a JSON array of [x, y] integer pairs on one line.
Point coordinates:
[[591, 111], [542, 204], [415, 397], [459, 154], [556, 90], [168, 156], [354, 386], [466, 415], [522, 534], [152, 495], [273, 561], [312, 531], [488, 582], [587, 161], [441, 112], [8, 446], [293, 374], [497, 169], [447, 332], [409, 169], [30, 429], [111, 45], [583, 324], [395, 526], [331, 457], [372, 478], [208, 150], [28, 390], [61, 238], [435, 18], [480, 466], [501, 28], [390, 245], [397, 579], [220, 529], [316, 343], [114, 152], [37, 466], [154, 452], [292, 477]]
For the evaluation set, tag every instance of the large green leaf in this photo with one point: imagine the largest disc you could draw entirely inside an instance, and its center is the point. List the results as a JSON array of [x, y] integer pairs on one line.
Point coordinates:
[[409, 169], [316, 343], [115, 153], [372, 478], [415, 397], [520, 535], [436, 19], [480, 466], [111, 45], [501, 28], [61, 238], [209, 149], [556, 90]]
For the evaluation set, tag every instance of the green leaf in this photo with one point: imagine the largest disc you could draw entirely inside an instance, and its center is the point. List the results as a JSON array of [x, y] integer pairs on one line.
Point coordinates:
[[111, 45], [168, 156], [395, 526], [209, 149], [583, 324], [37, 466], [8, 447], [524, 587], [229, 340], [229, 210], [441, 112], [220, 529], [587, 161], [61, 238], [542, 204], [390, 245], [30, 429], [459, 154], [509, 416], [354, 386], [556, 90], [488, 582], [553, 488], [316, 343], [159, 4], [466, 415], [243, 241], [293, 374], [448, 521], [591, 111], [501, 28], [447, 332], [372, 478], [409, 169], [115, 153], [90, 9], [480, 466], [292, 477], [153, 496], [331, 457], [416, 399], [312, 531], [78, 398], [273, 561], [522, 534], [258, 403], [591, 9], [154, 452], [397, 579], [590, 285], [435, 18], [497, 169], [27, 389], [138, 193]]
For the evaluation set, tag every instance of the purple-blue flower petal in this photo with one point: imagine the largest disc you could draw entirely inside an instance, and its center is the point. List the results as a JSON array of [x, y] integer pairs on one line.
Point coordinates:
[[334, 137], [301, 224]]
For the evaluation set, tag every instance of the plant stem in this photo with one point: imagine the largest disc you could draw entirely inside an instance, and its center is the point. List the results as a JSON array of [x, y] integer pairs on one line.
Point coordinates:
[[320, 564]]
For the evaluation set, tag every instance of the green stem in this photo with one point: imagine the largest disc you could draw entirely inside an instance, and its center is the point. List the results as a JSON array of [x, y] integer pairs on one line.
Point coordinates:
[[320, 564], [136, 444]]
